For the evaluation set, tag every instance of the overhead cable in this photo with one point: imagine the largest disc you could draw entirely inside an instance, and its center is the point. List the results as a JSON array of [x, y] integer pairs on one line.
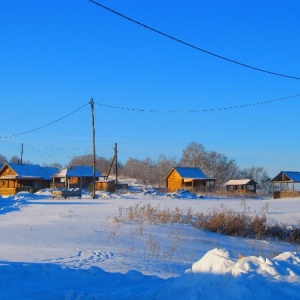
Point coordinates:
[[43, 126], [200, 110], [193, 46]]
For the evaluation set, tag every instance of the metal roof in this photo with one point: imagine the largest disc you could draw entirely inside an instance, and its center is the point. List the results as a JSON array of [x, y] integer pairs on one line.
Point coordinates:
[[186, 172], [292, 176], [32, 171], [77, 171], [50, 171]]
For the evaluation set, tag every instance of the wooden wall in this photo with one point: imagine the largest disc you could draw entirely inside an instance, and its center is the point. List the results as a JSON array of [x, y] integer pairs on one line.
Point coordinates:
[[107, 186], [286, 194], [174, 182], [5, 183]]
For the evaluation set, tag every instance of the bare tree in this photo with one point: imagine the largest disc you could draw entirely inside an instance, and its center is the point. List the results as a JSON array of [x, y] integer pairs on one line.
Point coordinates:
[[103, 164], [15, 159], [84, 160], [143, 170], [194, 155], [212, 163], [55, 165], [3, 159], [221, 168], [259, 175], [131, 168], [164, 166], [147, 171]]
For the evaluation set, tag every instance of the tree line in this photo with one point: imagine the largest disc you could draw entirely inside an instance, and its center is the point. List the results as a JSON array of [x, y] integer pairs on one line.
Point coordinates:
[[154, 172]]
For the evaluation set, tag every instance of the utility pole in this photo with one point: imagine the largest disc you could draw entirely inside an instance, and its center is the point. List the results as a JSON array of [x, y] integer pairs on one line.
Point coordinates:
[[116, 156], [94, 151], [21, 153]]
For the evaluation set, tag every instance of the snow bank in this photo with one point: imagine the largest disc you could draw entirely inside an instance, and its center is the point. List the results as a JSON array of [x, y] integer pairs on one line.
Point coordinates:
[[216, 261], [215, 276], [70, 250]]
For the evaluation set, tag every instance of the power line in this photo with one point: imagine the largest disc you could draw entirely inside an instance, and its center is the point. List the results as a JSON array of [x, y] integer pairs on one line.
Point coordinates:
[[43, 126], [57, 152], [193, 46], [200, 110], [155, 111]]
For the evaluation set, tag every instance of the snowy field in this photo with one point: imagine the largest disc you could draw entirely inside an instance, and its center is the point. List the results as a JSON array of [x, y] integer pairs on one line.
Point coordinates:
[[75, 249]]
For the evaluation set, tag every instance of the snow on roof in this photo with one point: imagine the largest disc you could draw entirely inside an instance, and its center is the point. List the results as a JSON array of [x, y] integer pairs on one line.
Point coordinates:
[[186, 172], [239, 181], [32, 171], [77, 171]]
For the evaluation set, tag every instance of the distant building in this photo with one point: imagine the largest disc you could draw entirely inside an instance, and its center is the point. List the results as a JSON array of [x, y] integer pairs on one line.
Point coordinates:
[[74, 177], [188, 178], [15, 178], [241, 186], [285, 184]]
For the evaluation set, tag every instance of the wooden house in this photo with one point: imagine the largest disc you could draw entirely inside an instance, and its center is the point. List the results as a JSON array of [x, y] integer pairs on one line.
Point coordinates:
[[74, 177], [188, 178], [15, 178], [241, 186], [285, 184]]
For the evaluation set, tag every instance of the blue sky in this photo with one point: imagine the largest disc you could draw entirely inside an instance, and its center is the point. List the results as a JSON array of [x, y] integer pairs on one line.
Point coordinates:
[[57, 55]]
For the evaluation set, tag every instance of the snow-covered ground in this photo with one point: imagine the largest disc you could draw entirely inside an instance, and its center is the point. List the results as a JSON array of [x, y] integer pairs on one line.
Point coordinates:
[[76, 249]]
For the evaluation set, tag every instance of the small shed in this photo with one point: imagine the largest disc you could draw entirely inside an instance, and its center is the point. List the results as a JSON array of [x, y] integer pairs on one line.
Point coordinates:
[[188, 178], [105, 185], [74, 177], [15, 178], [283, 184], [241, 186]]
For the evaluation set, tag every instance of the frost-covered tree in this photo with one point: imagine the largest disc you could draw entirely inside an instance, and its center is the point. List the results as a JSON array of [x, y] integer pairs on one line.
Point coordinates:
[[15, 159], [164, 166], [3, 159], [194, 155], [259, 175]]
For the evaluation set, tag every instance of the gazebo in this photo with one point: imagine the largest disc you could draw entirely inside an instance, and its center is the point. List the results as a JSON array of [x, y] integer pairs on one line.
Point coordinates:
[[241, 186], [286, 181]]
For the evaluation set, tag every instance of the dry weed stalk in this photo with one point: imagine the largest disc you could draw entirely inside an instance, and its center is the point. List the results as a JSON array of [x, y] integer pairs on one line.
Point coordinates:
[[223, 220]]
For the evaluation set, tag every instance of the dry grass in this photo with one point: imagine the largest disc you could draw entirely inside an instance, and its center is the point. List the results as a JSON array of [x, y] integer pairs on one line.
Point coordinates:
[[224, 221]]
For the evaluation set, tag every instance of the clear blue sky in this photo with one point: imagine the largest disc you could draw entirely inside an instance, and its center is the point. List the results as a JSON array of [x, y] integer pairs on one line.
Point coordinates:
[[57, 55]]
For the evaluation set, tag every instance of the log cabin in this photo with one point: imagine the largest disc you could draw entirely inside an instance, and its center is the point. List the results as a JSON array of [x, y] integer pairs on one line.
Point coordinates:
[[74, 177], [192, 179], [15, 178]]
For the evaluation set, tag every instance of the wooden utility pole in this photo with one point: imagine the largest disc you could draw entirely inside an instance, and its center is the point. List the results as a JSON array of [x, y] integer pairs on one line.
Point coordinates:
[[116, 158], [21, 153], [94, 151]]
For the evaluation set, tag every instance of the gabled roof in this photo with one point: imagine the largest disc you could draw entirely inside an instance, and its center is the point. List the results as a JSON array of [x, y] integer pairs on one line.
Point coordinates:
[[31, 171], [77, 171], [287, 176], [240, 182], [190, 174], [50, 171], [186, 172]]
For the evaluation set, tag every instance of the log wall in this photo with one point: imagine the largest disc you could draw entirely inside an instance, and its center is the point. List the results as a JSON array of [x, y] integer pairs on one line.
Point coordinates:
[[286, 194]]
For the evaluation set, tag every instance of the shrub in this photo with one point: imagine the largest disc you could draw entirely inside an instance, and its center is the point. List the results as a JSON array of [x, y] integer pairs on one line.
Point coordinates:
[[224, 221]]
